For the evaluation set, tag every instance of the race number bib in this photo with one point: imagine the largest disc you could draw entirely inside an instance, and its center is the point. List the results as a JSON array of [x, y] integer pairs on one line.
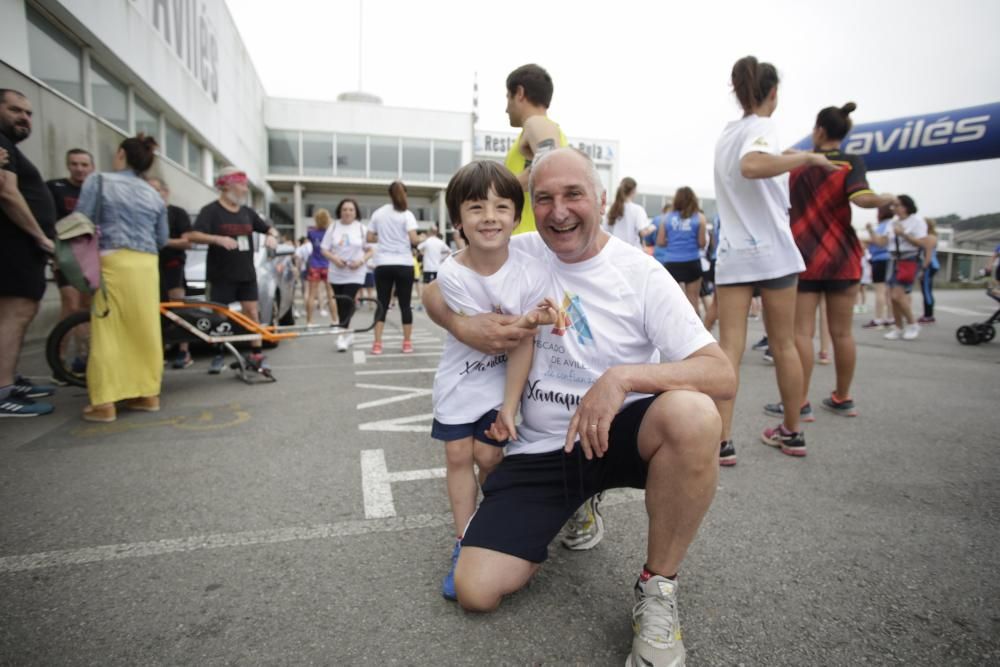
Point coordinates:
[[243, 243]]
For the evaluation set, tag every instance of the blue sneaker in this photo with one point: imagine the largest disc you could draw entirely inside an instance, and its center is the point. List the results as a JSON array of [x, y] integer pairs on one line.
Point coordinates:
[[24, 388], [23, 407], [448, 585]]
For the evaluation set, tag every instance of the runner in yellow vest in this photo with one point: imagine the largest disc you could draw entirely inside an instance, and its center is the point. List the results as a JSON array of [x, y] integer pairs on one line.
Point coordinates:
[[529, 93]]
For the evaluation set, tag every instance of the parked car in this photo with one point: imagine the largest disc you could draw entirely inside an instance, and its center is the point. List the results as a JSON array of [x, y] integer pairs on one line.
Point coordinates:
[[275, 279]]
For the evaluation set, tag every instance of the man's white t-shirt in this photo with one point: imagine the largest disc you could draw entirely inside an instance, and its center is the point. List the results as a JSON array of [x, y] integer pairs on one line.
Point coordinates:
[[628, 227], [756, 241], [914, 226], [619, 307], [393, 228], [434, 251], [348, 243], [469, 383]]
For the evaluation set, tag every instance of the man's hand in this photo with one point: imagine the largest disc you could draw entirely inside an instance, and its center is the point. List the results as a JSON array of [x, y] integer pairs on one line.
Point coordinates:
[[592, 421], [271, 242], [491, 333], [339, 263], [227, 242], [46, 244], [4, 158]]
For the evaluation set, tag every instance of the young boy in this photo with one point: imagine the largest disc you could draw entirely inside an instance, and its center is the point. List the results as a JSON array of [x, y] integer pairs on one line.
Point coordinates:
[[485, 202]]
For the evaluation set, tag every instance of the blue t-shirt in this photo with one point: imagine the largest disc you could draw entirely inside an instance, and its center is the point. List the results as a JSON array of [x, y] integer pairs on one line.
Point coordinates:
[[682, 238], [316, 259], [880, 253]]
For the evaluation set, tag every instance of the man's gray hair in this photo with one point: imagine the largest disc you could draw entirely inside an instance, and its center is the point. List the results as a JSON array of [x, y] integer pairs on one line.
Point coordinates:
[[595, 176]]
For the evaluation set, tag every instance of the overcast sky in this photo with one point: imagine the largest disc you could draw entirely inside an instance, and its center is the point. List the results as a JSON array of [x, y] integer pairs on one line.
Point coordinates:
[[653, 75]]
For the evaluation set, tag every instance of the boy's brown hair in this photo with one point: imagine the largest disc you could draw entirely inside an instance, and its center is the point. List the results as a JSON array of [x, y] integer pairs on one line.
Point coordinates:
[[473, 182]]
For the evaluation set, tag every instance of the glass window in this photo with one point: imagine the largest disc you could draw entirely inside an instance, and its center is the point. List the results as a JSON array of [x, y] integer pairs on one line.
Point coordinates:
[[55, 59], [110, 96], [416, 160], [195, 159], [317, 154], [147, 120], [384, 155], [350, 156], [174, 143], [282, 152], [447, 160]]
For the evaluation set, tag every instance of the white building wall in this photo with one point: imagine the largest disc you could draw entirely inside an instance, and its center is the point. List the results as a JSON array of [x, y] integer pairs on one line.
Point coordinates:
[[185, 56]]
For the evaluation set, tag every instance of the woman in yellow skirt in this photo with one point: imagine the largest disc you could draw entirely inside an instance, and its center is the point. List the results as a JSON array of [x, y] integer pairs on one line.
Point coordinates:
[[126, 352]]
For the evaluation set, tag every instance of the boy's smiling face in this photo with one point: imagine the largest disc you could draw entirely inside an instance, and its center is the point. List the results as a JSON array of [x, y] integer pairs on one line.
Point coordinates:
[[488, 223]]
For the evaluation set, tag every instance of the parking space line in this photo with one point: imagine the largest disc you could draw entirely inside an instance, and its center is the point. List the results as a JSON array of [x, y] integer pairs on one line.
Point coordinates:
[[376, 483], [128, 550], [400, 424], [407, 394], [359, 357], [397, 370]]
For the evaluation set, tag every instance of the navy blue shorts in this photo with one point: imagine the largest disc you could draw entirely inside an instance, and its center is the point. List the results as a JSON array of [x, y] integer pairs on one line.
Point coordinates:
[[476, 429], [528, 497]]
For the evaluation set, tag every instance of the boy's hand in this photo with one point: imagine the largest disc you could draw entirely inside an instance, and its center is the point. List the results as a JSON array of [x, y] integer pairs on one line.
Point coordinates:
[[546, 313], [498, 430]]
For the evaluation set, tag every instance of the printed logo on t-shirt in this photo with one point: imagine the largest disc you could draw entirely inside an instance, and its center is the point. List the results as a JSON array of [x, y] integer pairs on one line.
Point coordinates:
[[760, 141], [571, 316]]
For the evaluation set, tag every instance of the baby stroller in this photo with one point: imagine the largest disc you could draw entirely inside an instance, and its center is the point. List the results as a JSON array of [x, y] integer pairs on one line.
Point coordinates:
[[981, 332]]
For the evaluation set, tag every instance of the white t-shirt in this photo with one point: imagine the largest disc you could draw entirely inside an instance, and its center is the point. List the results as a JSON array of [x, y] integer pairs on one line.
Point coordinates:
[[469, 383], [346, 242], [303, 252], [619, 307], [434, 251], [632, 222], [756, 241], [393, 228], [914, 226]]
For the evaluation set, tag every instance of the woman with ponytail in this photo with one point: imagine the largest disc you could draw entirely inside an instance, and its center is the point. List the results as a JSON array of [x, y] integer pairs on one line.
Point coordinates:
[[628, 220], [126, 353], [821, 225], [756, 248]]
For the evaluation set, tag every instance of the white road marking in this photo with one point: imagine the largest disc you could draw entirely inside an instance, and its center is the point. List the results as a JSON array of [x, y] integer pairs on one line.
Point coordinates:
[[408, 393], [376, 483], [359, 357], [964, 311], [400, 424], [395, 371], [398, 355], [195, 543]]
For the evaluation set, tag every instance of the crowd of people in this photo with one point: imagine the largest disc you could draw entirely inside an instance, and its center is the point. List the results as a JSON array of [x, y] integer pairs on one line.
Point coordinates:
[[595, 328]]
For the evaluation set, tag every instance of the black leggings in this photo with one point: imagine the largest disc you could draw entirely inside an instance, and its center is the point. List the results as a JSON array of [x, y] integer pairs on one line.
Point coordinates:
[[345, 307], [400, 277]]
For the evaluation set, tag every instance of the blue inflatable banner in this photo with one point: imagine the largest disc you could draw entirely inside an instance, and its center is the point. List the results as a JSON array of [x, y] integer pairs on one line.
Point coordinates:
[[961, 135]]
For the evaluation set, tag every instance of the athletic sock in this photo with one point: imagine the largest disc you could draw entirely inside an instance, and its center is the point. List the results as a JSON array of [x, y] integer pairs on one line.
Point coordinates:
[[647, 574]]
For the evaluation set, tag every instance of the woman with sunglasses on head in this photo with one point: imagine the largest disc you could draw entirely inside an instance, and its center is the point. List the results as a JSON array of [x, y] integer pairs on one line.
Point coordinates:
[[756, 248]]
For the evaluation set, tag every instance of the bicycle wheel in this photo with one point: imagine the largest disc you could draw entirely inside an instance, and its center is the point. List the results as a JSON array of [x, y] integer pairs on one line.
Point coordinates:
[[67, 349]]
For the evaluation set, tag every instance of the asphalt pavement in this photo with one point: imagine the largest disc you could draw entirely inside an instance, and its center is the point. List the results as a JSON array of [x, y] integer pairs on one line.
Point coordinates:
[[306, 522]]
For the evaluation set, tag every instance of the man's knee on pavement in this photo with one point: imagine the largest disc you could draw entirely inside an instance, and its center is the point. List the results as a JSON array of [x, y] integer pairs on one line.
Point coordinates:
[[483, 577], [684, 421]]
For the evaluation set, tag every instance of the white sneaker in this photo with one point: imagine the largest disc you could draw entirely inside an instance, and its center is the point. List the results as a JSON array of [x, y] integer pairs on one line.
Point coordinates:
[[344, 342], [585, 529], [656, 625], [911, 331], [894, 334]]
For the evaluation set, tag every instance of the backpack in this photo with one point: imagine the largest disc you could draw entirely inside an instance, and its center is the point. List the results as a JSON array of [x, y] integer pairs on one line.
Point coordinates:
[[76, 248]]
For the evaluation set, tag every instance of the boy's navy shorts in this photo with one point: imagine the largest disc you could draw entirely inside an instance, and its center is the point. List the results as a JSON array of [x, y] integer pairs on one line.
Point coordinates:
[[528, 497], [476, 429]]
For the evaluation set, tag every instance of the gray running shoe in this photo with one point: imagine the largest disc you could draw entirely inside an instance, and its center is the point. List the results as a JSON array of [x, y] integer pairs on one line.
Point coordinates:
[[218, 361], [656, 625], [585, 529]]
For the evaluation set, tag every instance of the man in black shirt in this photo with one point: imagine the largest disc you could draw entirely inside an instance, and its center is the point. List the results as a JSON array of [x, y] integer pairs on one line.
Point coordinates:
[[227, 227], [27, 223], [65, 192], [172, 260]]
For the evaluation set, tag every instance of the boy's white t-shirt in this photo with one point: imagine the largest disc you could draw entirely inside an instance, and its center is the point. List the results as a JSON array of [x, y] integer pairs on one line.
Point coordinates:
[[347, 242], [619, 307], [627, 227], [434, 251], [914, 226], [393, 228], [755, 242], [469, 383]]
